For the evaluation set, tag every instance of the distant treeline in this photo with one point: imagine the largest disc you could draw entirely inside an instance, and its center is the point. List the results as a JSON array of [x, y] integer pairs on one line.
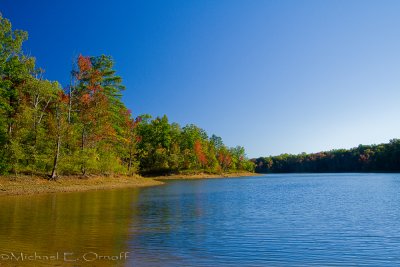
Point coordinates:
[[85, 128], [364, 158]]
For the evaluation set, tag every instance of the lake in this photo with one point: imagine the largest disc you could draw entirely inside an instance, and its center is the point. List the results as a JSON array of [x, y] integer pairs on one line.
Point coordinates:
[[270, 220]]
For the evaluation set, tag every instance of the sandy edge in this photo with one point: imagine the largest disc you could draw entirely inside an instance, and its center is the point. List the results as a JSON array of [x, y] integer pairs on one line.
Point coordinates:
[[30, 185], [204, 176]]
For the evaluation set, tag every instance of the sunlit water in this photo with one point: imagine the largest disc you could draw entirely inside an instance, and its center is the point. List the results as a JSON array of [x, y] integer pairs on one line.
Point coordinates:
[[272, 220]]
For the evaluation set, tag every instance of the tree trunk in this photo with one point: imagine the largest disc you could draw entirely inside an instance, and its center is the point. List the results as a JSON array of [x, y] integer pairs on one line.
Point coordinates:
[[130, 159], [69, 103], [83, 167], [53, 175]]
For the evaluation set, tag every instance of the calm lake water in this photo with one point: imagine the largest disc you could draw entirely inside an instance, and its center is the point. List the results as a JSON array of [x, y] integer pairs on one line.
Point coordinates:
[[272, 220]]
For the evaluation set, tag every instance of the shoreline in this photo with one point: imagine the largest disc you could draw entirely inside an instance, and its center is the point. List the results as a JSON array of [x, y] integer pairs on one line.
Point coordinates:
[[203, 176], [33, 185]]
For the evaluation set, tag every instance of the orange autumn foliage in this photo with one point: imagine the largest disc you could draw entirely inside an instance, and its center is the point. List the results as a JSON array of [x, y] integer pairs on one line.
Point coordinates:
[[201, 157], [224, 159], [84, 64], [63, 97]]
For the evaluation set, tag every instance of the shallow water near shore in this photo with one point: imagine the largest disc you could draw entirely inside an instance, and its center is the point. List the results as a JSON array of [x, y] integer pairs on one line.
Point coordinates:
[[278, 220]]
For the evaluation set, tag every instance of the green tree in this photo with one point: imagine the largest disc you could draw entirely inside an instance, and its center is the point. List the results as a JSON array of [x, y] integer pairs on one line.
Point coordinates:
[[15, 69]]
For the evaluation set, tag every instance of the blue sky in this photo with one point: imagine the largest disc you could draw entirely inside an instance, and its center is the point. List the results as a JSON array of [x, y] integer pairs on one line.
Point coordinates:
[[272, 76]]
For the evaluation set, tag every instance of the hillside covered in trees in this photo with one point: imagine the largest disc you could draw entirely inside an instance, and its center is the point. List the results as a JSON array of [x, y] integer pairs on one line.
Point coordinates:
[[85, 128], [364, 158]]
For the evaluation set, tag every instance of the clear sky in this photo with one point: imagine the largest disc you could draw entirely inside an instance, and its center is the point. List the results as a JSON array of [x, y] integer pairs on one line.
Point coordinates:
[[272, 76]]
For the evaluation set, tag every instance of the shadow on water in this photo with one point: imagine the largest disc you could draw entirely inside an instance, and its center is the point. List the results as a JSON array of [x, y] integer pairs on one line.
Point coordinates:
[[88, 224]]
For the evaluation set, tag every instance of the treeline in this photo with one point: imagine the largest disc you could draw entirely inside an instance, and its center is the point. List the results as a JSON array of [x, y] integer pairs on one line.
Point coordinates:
[[364, 158], [166, 147], [85, 128]]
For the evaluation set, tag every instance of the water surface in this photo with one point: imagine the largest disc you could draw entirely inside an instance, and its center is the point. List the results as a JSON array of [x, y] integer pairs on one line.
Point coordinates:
[[272, 220]]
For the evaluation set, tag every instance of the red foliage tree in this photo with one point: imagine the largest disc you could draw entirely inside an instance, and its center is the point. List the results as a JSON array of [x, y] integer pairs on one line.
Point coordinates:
[[198, 150], [224, 159]]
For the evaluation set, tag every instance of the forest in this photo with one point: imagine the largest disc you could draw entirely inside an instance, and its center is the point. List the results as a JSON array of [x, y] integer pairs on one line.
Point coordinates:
[[364, 158], [85, 128]]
